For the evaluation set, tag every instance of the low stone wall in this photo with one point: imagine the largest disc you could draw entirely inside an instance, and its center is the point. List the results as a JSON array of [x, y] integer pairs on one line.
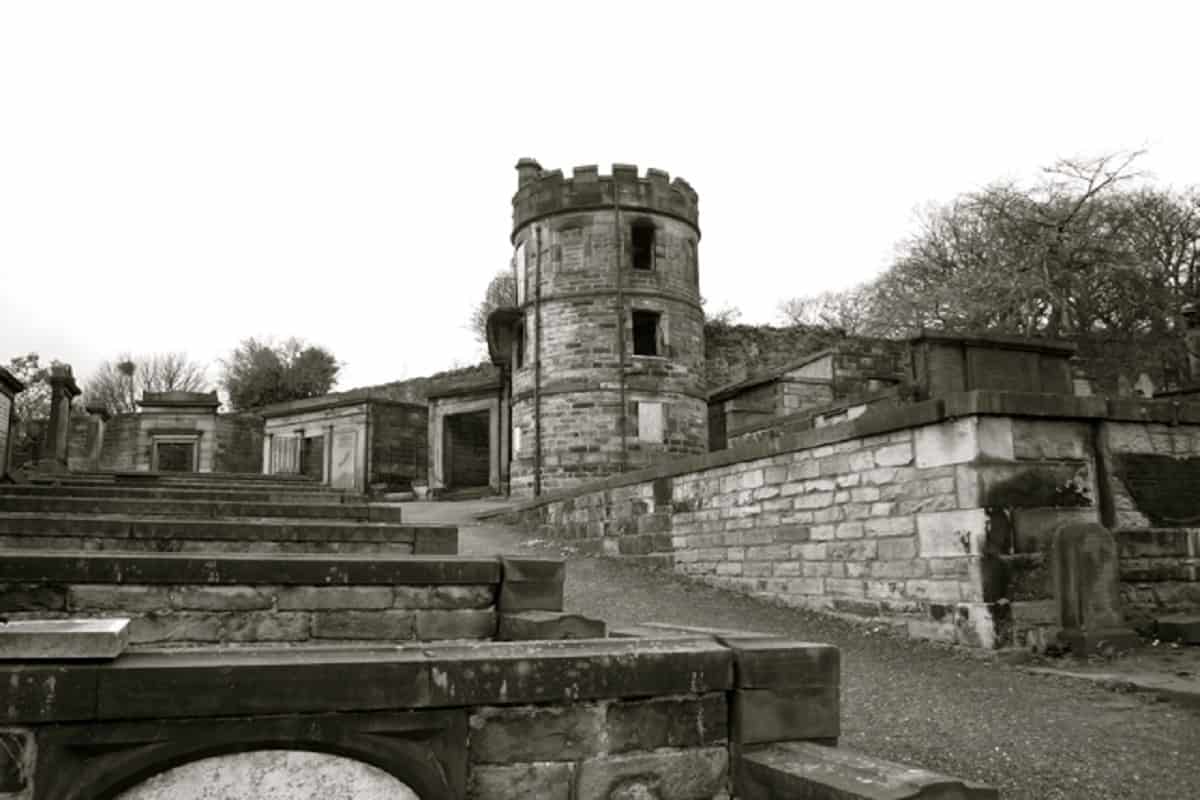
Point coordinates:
[[220, 599], [936, 516], [606, 719]]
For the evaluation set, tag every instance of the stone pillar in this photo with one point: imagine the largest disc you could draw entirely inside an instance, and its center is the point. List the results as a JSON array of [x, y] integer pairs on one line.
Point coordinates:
[[62, 390], [268, 447], [98, 417], [1191, 315], [10, 387], [327, 472]]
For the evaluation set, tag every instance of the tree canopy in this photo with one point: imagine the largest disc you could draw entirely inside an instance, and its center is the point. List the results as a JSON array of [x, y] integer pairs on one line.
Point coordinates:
[[258, 373], [120, 383], [1090, 247]]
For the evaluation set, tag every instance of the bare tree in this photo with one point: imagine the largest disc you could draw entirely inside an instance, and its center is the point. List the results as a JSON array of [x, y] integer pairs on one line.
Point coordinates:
[[119, 384], [501, 292]]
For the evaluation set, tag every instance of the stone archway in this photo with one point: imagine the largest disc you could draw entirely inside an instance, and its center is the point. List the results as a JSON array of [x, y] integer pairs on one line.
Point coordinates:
[[271, 775]]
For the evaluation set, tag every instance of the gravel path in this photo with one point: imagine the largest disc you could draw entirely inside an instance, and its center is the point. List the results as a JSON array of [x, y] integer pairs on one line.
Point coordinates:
[[1035, 737]]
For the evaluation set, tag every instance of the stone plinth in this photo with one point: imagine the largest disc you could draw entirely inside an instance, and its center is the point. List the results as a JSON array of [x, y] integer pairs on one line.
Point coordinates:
[[63, 639]]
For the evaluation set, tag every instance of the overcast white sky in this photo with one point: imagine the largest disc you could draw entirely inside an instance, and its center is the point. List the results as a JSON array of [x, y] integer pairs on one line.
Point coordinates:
[[182, 175]]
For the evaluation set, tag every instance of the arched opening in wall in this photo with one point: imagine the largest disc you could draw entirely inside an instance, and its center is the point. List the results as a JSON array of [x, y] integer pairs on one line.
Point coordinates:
[[642, 246], [272, 775]]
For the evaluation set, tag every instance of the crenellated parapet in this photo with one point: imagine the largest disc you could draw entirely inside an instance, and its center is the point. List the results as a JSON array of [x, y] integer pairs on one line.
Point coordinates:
[[544, 192]]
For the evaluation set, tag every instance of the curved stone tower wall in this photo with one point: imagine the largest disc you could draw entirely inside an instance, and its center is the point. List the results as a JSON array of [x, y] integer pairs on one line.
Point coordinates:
[[577, 295]]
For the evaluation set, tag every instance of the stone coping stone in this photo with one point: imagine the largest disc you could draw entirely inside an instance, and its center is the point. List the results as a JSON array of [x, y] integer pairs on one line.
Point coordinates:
[[219, 683], [126, 527], [889, 419], [63, 639], [212, 509], [76, 566], [816, 772]]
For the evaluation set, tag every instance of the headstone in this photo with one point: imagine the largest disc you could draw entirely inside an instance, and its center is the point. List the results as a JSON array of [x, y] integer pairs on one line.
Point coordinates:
[[1087, 590], [345, 459]]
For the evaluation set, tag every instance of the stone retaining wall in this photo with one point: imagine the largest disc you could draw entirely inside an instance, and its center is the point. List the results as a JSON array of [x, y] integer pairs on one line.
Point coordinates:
[[936, 516], [219, 599]]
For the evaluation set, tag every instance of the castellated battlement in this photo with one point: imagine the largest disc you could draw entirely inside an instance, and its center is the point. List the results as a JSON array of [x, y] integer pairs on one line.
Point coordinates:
[[543, 192]]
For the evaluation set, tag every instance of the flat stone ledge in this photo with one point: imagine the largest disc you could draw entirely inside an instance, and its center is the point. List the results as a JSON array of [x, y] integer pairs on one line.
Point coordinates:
[[74, 566], [63, 639], [220, 683], [805, 769]]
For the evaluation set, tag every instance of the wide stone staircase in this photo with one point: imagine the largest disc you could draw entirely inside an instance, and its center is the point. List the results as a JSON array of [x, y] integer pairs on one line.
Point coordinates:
[[147, 512]]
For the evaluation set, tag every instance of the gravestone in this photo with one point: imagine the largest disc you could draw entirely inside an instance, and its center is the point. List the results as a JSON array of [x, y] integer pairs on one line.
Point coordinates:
[[1087, 590]]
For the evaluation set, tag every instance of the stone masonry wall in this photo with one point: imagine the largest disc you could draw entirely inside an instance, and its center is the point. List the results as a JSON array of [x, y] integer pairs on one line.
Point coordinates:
[[238, 443], [938, 516], [673, 746], [193, 613]]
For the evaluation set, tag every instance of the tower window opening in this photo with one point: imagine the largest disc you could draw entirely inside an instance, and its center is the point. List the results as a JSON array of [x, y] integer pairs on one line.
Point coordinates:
[[519, 344], [643, 245], [645, 333]]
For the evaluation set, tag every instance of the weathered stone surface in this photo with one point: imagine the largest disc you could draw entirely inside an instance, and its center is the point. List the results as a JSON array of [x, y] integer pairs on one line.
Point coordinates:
[[779, 663], [32, 597], [1087, 587], [63, 638], [372, 625], [808, 770], [176, 626], [482, 596], [334, 597], [221, 598], [536, 733], [550, 780], [530, 584], [129, 599], [947, 534], [663, 775], [266, 626], [17, 756], [546, 625], [432, 624], [667, 722], [1179, 628], [271, 775], [776, 715]]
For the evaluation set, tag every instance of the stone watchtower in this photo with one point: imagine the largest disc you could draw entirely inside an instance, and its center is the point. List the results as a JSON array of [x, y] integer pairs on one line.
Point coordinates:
[[606, 345]]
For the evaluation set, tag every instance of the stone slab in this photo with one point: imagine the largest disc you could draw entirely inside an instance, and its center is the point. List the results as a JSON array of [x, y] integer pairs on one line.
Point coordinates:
[[1179, 628], [544, 625], [63, 639], [776, 715], [214, 683], [531, 584], [815, 772]]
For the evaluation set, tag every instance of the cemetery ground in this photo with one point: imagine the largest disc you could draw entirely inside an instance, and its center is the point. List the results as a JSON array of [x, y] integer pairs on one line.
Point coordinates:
[[1036, 735]]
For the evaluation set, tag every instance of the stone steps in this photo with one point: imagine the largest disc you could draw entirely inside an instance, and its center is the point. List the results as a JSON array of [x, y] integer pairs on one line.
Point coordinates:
[[815, 772], [205, 509], [201, 480], [254, 495], [95, 532]]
